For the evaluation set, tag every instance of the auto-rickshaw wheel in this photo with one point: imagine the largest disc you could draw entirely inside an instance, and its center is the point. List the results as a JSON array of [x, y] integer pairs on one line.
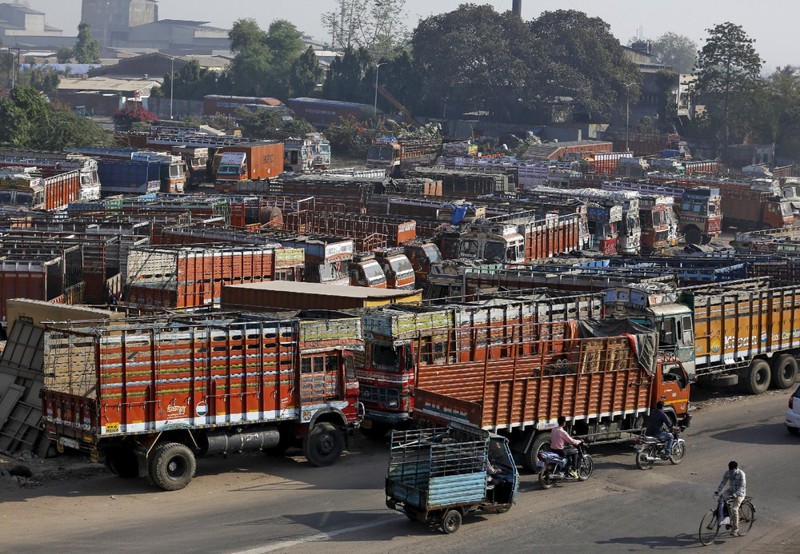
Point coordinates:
[[451, 521]]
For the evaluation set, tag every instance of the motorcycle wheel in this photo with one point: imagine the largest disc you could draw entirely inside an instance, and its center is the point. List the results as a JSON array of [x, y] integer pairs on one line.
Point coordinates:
[[544, 479], [586, 469], [642, 456], [678, 452]]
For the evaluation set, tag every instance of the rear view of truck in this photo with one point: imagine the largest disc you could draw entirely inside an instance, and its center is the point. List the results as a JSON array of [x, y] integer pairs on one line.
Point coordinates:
[[152, 396]]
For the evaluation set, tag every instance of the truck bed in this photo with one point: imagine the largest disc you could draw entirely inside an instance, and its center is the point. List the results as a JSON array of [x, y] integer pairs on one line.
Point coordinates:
[[111, 378], [579, 379]]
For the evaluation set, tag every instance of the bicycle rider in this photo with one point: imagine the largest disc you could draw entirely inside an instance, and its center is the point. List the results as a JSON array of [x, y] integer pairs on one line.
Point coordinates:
[[737, 490]]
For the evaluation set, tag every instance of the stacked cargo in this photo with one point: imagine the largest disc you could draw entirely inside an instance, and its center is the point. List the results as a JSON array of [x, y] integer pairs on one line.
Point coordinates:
[[193, 277], [367, 231]]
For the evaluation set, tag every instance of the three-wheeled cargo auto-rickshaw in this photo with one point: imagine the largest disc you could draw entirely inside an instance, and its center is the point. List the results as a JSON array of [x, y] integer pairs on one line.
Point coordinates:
[[438, 475]]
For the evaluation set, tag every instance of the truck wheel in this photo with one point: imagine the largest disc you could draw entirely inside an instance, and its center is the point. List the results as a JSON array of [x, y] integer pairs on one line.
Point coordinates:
[[531, 457], [756, 377], [122, 462], [451, 521], [323, 444], [172, 466], [784, 371], [694, 236]]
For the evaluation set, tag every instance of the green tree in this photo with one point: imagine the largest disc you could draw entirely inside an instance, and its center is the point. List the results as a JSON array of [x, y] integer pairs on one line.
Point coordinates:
[[193, 82], [728, 77], [781, 116], [87, 48], [263, 61], [64, 54], [474, 58], [378, 26], [677, 51], [666, 83], [305, 74], [584, 61], [346, 77], [30, 121], [269, 124], [44, 79]]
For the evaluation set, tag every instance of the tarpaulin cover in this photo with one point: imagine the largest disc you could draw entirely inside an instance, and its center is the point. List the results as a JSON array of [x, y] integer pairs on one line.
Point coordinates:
[[644, 339]]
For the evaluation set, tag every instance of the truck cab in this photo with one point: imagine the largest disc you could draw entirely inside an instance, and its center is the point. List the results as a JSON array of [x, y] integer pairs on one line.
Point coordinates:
[[232, 167], [657, 306], [397, 268], [700, 217], [422, 257], [298, 155], [367, 272], [503, 245], [384, 154]]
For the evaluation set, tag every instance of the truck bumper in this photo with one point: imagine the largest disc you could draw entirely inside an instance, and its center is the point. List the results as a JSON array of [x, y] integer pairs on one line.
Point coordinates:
[[384, 417]]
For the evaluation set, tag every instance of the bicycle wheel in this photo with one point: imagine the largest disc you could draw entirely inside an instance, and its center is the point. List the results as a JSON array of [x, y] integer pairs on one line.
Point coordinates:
[[708, 528], [747, 516]]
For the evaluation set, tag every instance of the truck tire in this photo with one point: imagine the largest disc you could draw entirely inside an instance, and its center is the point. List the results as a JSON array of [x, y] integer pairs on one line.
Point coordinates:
[[693, 236], [784, 371], [323, 444], [531, 457], [172, 466], [122, 462], [755, 378]]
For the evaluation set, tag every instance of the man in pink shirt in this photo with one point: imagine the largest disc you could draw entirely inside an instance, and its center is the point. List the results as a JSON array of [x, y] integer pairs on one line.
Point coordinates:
[[558, 440]]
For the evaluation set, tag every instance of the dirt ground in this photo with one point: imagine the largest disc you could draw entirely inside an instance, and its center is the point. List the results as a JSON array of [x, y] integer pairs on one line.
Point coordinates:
[[28, 471]]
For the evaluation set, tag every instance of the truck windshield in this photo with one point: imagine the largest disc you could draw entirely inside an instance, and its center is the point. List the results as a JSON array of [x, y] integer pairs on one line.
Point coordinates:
[[385, 358], [380, 153], [786, 209], [373, 272], [495, 252], [401, 265], [432, 253], [228, 170]]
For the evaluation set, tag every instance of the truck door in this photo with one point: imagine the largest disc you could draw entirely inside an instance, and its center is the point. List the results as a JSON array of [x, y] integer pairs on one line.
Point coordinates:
[[320, 380], [674, 387]]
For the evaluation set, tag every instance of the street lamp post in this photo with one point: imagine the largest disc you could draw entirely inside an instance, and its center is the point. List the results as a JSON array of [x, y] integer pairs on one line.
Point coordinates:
[[627, 115], [375, 106], [171, 83]]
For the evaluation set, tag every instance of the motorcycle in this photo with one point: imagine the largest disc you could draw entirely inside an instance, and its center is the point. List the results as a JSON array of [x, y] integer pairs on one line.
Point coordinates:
[[649, 450], [552, 468]]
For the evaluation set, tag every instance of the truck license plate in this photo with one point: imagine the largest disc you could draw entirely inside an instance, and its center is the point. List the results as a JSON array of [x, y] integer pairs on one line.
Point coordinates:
[[69, 443]]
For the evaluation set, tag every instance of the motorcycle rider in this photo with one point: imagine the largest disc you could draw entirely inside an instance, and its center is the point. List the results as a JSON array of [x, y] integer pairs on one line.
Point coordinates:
[[558, 440], [658, 426], [737, 490]]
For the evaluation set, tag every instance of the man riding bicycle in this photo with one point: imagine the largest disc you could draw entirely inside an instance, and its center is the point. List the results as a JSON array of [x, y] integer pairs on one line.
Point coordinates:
[[737, 490]]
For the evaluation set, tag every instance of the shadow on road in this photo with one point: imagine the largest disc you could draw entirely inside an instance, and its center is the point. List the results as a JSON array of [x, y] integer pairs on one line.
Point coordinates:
[[655, 543], [768, 434]]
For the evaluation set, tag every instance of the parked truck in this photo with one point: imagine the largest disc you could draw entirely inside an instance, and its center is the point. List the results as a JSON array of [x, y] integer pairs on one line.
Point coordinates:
[[401, 340], [603, 379], [698, 209], [309, 153], [130, 177], [127, 392], [394, 154], [516, 238], [739, 332], [248, 162], [172, 170], [397, 268], [27, 187]]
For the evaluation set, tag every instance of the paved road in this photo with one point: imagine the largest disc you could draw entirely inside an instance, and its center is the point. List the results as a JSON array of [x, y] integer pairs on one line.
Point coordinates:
[[258, 504]]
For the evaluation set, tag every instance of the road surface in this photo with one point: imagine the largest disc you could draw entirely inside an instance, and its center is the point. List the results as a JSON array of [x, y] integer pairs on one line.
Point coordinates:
[[257, 504]]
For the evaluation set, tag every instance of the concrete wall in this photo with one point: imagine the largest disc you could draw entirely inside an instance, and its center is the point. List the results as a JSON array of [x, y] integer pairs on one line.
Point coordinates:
[[180, 108]]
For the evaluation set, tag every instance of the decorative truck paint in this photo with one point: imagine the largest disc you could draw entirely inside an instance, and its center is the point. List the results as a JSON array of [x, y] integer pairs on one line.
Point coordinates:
[[604, 386], [401, 340], [128, 391]]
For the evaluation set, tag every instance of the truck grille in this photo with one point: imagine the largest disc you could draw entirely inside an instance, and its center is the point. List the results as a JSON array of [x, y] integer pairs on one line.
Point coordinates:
[[374, 395]]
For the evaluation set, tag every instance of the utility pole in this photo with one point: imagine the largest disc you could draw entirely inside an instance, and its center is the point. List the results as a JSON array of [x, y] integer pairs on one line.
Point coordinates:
[[375, 106], [171, 83], [627, 115]]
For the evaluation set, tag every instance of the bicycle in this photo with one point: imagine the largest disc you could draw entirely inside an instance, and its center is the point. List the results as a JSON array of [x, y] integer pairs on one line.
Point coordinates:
[[710, 525]]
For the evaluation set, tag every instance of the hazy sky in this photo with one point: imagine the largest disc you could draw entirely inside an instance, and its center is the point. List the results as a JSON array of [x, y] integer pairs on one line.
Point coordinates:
[[772, 23]]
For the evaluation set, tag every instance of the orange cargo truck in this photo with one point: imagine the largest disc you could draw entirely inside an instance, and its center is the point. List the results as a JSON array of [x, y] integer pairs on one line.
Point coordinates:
[[605, 386], [738, 332], [248, 162], [150, 396]]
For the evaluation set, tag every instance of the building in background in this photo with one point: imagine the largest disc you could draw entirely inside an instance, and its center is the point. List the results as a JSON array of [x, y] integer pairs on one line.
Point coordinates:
[[23, 27], [112, 20]]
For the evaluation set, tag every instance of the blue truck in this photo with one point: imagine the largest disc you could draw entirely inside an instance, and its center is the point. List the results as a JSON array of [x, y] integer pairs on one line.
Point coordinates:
[[132, 177], [439, 475]]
